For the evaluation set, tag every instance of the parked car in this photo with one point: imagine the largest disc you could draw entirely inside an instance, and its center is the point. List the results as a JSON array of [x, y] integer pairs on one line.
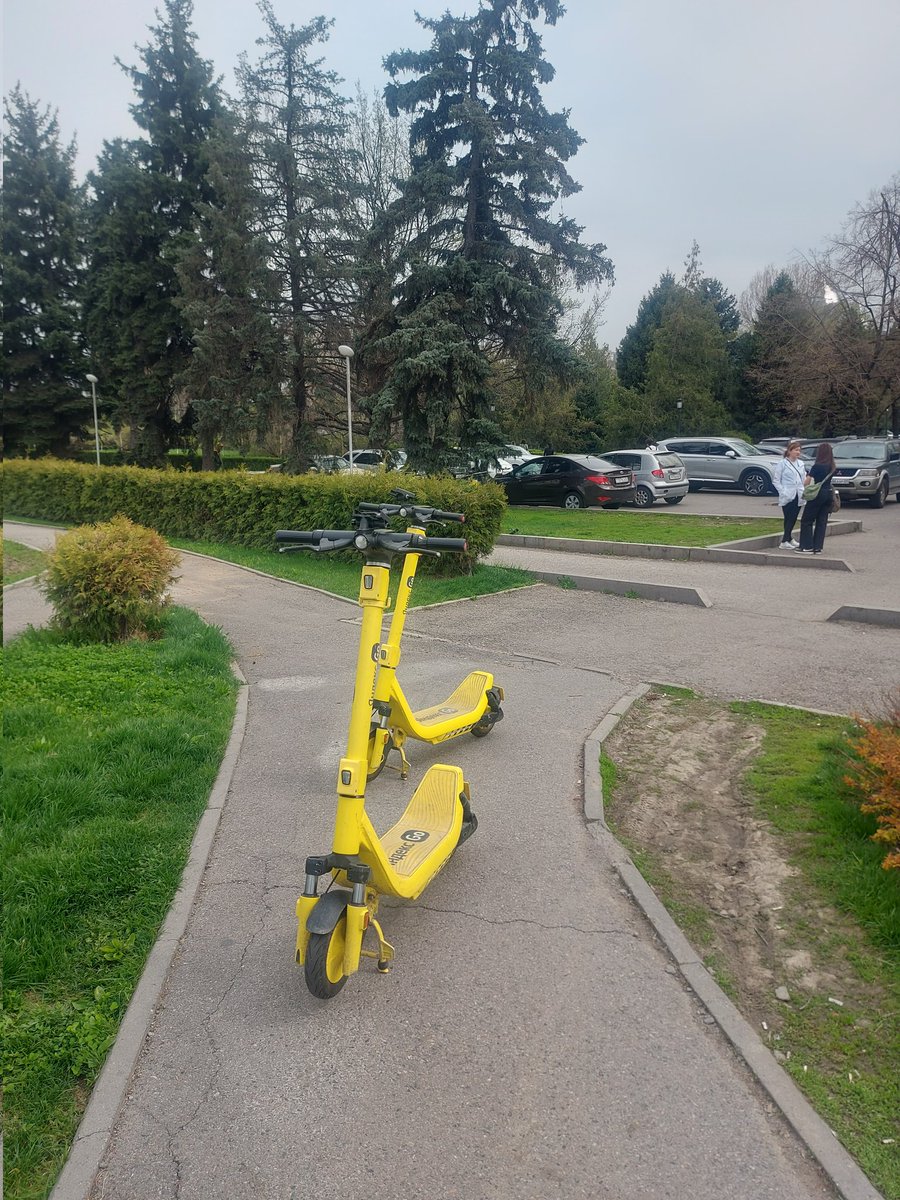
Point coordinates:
[[326, 464], [569, 480], [723, 463], [866, 468], [658, 475], [374, 460], [516, 455]]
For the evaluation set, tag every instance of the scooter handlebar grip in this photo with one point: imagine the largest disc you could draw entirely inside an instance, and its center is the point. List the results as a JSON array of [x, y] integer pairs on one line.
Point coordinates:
[[298, 537], [457, 545], [438, 515]]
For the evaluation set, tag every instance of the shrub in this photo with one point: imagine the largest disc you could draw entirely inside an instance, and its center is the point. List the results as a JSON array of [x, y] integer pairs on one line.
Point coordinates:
[[108, 582], [876, 775], [239, 508]]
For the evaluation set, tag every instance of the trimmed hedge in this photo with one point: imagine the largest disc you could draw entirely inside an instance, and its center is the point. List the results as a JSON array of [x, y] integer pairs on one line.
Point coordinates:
[[238, 508], [180, 460]]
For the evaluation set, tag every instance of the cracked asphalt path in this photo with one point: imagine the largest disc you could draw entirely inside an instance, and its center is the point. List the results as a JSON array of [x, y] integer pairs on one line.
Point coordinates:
[[530, 1041]]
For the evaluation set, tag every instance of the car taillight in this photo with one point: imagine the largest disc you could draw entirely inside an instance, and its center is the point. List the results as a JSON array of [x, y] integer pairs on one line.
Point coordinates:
[[602, 480], [659, 473]]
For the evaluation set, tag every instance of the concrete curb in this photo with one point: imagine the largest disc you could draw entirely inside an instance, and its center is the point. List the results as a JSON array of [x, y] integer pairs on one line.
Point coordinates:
[[671, 592], [77, 1176], [889, 617], [727, 553], [9, 587], [846, 1177]]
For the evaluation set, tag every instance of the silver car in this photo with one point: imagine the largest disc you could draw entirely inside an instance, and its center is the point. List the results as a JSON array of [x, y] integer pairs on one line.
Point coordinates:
[[720, 462], [658, 475]]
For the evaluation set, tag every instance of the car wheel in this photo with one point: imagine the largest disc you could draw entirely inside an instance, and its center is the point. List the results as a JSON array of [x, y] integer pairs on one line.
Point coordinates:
[[674, 499], [643, 497], [877, 501], [755, 483], [572, 501]]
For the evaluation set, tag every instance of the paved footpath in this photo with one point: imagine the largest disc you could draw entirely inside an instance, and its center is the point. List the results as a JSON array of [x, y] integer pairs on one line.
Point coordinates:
[[533, 1040]]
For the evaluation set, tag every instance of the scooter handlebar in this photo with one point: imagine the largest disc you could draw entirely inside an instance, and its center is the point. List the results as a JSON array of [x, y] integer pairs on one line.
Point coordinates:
[[385, 539], [438, 515]]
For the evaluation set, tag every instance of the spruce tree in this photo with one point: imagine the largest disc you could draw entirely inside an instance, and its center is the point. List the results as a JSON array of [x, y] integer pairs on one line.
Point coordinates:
[[42, 261], [228, 295], [147, 192], [635, 346], [292, 128], [482, 278]]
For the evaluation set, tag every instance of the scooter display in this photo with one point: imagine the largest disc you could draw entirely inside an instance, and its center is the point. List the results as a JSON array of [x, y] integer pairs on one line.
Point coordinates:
[[362, 866], [474, 706]]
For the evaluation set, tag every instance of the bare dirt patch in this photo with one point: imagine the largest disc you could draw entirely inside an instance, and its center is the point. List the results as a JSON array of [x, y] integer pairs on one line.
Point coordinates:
[[723, 872]]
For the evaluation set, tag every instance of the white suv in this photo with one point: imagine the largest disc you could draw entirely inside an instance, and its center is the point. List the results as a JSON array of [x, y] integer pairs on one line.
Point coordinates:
[[724, 463]]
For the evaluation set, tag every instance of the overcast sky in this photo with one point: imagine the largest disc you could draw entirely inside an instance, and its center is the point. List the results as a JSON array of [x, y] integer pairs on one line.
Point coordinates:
[[753, 127]]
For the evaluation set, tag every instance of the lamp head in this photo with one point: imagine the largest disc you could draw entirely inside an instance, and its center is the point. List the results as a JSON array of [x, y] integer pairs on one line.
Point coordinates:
[[92, 378], [345, 351]]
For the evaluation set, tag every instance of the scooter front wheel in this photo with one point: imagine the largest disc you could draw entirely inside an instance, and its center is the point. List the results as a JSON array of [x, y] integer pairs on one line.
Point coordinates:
[[323, 967]]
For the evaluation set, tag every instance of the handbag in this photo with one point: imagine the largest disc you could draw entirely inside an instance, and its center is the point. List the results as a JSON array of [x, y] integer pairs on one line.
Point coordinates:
[[812, 489]]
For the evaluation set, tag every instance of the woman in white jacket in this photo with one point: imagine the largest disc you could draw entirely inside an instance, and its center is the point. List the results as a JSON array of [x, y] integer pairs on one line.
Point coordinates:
[[790, 478]]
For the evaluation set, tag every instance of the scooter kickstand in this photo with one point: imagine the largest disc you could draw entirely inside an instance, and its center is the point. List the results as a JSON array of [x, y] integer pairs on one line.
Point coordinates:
[[404, 761], [385, 949]]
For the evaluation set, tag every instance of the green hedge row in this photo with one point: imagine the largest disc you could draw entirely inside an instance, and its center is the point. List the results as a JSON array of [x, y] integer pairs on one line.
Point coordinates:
[[242, 509], [182, 461]]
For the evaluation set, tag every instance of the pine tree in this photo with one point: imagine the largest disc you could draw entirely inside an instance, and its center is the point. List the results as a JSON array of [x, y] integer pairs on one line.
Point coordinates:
[[42, 261], [147, 192], [482, 278], [292, 127], [228, 295]]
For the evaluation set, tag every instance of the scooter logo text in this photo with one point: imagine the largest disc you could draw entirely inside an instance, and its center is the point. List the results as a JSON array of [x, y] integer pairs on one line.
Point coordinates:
[[411, 838]]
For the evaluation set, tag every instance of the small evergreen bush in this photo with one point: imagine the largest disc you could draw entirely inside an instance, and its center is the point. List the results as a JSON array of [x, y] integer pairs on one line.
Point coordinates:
[[108, 582]]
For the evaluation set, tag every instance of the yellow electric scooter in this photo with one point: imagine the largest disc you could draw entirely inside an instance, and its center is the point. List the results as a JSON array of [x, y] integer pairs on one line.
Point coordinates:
[[474, 707], [401, 862]]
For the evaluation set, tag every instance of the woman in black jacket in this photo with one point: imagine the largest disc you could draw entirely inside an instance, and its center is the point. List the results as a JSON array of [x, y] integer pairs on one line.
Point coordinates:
[[815, 511]]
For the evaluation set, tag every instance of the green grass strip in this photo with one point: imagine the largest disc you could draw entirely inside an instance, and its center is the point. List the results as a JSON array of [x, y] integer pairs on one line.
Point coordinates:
[[339, 575], [847, 1059], [20, 562], [623, 525], [111, 751]]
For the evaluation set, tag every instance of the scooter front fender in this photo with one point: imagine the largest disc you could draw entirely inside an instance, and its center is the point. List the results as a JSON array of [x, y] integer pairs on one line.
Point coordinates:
[[328, 911]]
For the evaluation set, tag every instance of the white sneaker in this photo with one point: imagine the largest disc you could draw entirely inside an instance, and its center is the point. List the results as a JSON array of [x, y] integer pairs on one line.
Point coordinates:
[[794, 545], [787, 546]]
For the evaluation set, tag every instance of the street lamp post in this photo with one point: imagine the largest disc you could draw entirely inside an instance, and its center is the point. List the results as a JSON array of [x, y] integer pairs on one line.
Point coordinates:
[[92, 380], [679, 404], [346, 353]]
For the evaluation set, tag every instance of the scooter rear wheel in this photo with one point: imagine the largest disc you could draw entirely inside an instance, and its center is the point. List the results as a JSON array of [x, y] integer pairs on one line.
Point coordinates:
[[323, 967]]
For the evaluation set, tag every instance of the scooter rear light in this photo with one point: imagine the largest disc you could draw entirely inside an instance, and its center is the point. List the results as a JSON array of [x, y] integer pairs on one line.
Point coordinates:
[[658, 473], [601, 480]]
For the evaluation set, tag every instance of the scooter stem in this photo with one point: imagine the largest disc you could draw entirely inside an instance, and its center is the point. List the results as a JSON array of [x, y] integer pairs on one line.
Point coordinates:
[[351, 787]]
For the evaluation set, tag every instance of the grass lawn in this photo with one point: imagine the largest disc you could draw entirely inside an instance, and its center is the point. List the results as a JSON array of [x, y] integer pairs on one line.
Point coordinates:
[[20, 562], [111, 752], [341, 576], [625, 525], [841, 914]]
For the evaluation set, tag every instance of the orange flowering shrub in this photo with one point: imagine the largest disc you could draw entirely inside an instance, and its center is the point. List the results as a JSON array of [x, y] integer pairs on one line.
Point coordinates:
[[876, 776]]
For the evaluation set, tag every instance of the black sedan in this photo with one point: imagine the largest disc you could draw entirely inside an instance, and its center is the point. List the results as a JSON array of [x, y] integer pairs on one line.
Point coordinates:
[[570, 481]]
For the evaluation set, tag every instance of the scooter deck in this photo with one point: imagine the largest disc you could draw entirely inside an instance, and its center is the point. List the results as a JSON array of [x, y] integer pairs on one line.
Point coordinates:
[[430, 825], [464, 700]]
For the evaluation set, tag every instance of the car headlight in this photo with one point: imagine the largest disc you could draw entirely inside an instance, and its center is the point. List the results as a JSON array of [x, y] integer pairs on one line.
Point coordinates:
[[867, 474]]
